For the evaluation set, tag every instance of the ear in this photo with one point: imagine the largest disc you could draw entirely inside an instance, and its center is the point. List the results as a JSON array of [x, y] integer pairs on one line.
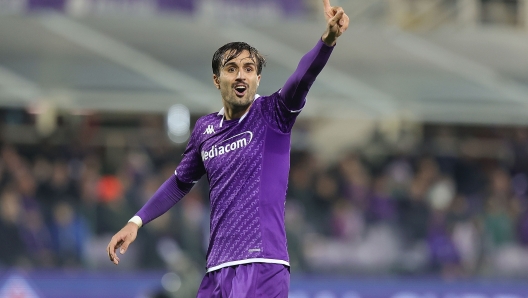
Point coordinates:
[[216, 81], [258, 80]]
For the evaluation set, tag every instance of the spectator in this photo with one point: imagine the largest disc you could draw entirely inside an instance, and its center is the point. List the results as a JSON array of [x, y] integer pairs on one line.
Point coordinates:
[[37, 238], [69, 234], [468, 216], [12, 248]]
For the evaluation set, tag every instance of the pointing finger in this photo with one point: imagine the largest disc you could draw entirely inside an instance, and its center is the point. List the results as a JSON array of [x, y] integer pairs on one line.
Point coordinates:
[[327, 5]]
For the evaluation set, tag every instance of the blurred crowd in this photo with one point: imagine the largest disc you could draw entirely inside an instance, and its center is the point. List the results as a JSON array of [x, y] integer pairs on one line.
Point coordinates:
[[438, 209], [449, 206]]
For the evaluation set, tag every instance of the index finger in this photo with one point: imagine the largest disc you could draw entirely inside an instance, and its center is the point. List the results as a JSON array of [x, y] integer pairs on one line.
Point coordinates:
[[327, 5], [110, 249], [112, 246]]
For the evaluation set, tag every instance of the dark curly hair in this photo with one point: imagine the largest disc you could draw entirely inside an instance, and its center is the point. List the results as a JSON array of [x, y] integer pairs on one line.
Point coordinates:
[[232, 50]]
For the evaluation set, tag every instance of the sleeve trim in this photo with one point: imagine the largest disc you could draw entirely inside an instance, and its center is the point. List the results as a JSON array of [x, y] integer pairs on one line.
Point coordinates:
[[137, 220]]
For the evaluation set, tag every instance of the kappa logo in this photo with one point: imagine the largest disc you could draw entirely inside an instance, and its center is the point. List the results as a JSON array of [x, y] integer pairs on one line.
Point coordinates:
[[209, 130], [233, 143]]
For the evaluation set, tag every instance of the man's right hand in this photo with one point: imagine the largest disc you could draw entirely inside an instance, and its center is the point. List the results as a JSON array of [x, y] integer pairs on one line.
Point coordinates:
[[122, 239]]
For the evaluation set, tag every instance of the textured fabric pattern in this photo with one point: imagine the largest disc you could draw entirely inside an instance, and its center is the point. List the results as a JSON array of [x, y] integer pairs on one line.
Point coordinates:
[[247, 162]]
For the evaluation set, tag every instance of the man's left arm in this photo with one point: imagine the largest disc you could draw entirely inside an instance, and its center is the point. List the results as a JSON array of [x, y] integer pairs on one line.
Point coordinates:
[[312, 63]]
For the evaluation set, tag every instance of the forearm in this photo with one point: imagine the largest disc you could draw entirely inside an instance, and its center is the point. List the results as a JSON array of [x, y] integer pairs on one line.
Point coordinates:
[[167, 195], [298, 84]]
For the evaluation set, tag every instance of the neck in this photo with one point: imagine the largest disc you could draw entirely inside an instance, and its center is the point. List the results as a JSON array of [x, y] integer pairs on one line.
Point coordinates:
[[235, 112]]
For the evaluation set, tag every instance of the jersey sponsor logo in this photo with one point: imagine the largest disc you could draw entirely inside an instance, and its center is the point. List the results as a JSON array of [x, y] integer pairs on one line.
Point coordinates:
[[209, 130], [233, 143]]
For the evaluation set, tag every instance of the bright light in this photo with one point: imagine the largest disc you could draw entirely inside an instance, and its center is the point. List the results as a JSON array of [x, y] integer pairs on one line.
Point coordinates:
[[178, 123], [171, 282]]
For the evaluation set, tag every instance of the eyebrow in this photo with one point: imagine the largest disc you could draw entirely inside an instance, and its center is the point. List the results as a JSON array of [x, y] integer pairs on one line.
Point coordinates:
[[233, 63]]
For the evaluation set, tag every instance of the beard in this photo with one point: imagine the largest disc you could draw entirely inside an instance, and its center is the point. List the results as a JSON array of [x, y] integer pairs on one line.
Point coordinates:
[[238, 102]]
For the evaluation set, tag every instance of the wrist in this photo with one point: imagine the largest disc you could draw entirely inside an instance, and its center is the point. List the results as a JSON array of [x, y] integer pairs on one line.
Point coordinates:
[[328, 40], [136, 220]]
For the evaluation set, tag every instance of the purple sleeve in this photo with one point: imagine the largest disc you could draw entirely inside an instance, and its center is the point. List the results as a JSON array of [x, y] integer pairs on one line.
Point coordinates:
[[167, 195], [298, 84], [188, 172], [282, 108]]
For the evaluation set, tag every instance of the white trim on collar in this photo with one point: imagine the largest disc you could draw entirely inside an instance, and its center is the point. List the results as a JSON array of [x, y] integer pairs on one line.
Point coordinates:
[[222, 112]]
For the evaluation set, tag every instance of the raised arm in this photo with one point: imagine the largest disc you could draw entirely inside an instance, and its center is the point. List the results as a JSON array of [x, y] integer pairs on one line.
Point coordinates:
[[298, 84]]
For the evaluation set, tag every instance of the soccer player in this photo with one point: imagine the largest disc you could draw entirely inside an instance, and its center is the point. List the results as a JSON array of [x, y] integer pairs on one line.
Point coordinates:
[[245, 151]]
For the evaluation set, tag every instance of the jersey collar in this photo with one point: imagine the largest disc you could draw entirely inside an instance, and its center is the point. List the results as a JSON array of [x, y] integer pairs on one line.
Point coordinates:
[[222, 112]]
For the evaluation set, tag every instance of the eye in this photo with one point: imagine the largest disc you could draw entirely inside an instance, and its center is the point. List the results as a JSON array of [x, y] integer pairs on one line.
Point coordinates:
[[249, 69], [231, 69]]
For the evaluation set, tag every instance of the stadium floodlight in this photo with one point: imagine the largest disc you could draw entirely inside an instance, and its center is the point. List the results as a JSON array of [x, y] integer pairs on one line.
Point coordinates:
[[178, 123], [46, 113], [171, 282]]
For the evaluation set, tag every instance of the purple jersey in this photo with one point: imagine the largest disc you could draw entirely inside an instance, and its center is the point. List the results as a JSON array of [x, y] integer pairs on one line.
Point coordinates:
[[247, 162]]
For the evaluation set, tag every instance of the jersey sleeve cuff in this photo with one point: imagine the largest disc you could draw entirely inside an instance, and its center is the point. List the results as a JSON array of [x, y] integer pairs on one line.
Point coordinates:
[[324, 46], [137, 220]]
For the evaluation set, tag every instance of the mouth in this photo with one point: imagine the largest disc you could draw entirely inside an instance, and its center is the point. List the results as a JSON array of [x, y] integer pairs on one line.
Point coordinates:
[[240, 90]]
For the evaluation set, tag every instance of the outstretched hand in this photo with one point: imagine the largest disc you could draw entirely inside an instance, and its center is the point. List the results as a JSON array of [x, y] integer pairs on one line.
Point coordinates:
[[337, 22], [121, 239]]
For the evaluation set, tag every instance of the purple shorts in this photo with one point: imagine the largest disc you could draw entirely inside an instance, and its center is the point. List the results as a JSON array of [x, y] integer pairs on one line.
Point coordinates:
[[247, 280]]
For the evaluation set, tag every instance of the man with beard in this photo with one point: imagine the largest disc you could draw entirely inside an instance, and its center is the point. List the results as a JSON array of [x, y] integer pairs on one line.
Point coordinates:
[[245, 151]]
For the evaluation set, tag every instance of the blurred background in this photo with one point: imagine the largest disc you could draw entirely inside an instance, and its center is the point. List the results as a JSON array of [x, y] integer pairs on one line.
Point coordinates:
[[409, 174]]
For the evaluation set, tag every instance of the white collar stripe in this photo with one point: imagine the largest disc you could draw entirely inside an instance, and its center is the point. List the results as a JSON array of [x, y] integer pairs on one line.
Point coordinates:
[[222, 113]]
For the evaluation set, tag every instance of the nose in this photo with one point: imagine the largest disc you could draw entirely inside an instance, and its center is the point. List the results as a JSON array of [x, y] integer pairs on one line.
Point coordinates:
[[240, 75]]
